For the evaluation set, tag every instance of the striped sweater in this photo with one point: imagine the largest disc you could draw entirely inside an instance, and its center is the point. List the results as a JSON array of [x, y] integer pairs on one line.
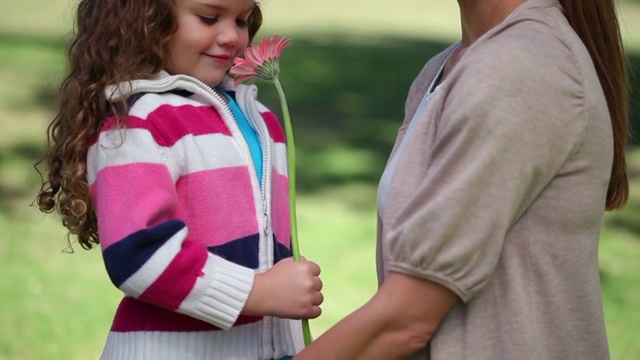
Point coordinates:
[[185, 223]]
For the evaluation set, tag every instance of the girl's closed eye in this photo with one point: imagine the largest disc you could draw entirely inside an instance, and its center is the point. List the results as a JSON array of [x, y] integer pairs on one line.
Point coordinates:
[[208, 20], [242, 23]]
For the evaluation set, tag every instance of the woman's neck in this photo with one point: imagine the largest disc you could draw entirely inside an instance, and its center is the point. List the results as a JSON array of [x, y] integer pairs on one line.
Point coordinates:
[[479, 16], [476, 18]]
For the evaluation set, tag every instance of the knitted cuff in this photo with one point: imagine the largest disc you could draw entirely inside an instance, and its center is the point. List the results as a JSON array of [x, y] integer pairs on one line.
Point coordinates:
[[220, 292]]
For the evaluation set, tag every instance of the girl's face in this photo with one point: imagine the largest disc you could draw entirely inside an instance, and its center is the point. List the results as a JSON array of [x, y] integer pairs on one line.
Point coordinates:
[[211, 33]]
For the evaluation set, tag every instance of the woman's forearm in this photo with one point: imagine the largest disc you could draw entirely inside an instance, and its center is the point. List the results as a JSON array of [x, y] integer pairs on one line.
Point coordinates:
[[346, 340], [398, 321]]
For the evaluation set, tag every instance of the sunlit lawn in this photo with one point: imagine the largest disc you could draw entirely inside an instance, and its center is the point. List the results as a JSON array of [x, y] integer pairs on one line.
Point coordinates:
[[56, 305]]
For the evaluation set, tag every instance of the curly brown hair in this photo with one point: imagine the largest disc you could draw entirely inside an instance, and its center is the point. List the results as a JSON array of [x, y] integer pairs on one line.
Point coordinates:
[[114, 41]]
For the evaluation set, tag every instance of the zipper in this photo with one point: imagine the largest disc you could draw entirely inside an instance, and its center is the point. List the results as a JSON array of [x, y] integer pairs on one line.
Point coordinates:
[[247, 103], [269, 328], [263, 179]]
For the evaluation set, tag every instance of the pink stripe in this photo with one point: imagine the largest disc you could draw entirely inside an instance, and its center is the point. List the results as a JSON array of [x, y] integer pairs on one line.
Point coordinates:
[[280, 209], [128, 198], [226, 188], [169, 123], [275, 130], [178, 279], [135, 315]]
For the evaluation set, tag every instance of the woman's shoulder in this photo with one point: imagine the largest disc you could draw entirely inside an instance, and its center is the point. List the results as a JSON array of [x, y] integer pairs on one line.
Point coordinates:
[[529, 53], [539, 39]]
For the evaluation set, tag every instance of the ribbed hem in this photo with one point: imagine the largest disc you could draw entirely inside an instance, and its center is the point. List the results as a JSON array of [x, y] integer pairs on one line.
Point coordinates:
[[244, 342], [220, 294], [241, 342], [289, 336]]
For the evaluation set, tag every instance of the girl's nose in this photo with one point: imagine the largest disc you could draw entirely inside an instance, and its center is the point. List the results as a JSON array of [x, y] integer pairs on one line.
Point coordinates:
[[229, 35]]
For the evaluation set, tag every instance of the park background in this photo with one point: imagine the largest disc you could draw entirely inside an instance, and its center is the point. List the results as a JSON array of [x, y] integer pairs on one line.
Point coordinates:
[[346, 77]]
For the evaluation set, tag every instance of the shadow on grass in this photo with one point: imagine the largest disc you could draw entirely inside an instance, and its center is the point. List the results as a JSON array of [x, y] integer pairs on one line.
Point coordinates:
[[14, 194], [346, 100], [15, 39]]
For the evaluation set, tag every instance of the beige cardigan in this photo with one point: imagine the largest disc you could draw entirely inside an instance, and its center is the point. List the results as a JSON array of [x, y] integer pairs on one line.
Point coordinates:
[[499, 194]]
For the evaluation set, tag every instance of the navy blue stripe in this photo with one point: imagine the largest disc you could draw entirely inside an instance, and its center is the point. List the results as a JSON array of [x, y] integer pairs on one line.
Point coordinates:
[[243, 251], [131, 100], [123, 258], [280, 251]]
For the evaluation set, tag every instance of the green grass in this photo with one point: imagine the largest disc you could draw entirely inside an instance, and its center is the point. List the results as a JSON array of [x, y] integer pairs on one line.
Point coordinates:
[[620, 271], [57, 305]]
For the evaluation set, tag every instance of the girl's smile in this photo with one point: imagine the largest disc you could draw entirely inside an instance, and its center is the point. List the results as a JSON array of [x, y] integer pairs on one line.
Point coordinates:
[[223, 59]]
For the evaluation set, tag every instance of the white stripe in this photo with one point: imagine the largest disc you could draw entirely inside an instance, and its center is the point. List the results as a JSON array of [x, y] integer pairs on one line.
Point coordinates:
[[205, 152], [280, 158], [137, 283], [188, 155], [121, 146]]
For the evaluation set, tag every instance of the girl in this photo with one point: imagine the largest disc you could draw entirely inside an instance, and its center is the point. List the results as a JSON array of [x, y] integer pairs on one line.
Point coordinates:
[[181, 179], [491, 204]]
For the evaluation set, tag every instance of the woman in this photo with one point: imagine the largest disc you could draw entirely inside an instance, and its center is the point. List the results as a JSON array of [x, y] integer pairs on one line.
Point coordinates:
[[491, 204]]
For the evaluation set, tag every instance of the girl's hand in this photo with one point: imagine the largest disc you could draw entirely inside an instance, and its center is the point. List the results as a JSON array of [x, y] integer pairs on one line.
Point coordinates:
[[290, 289]]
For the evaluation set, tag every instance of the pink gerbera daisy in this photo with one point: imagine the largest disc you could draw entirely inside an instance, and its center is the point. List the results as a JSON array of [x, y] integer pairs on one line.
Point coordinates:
[[260, 60]]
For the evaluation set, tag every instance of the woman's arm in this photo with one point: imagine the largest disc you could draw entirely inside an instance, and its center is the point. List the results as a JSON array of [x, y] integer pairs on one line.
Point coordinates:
[[399, 320]]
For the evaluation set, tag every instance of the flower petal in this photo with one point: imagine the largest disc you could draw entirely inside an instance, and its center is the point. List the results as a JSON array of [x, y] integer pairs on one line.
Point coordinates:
[[260, 60], [252, 55]]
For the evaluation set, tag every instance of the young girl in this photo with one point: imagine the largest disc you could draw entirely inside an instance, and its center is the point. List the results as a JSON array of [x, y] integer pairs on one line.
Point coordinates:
[[181, 179]]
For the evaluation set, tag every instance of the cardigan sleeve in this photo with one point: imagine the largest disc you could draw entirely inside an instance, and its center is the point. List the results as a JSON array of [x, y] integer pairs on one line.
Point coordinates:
[[512, 114], [148, 254]]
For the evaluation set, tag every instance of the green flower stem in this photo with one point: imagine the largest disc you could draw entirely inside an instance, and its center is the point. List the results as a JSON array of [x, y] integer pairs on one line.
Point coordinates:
[[291, 170]]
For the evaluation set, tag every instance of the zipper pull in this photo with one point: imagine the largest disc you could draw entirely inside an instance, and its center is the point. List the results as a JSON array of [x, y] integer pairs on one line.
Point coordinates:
[[266, 216], [266, 226]]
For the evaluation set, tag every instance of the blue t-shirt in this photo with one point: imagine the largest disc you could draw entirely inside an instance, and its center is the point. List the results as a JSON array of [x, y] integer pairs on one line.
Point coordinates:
[[248, 132]]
